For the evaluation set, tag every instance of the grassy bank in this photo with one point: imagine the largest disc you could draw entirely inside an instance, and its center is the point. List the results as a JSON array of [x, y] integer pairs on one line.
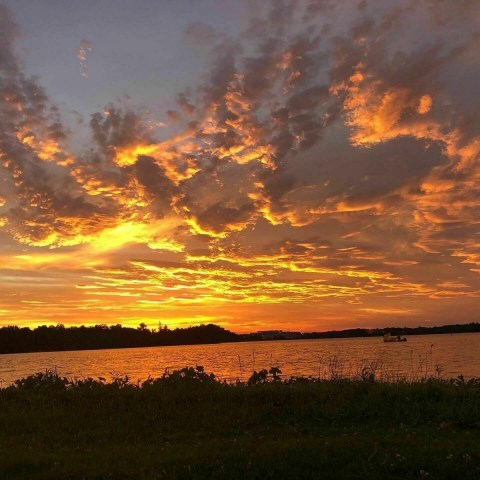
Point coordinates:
[[188, 425]]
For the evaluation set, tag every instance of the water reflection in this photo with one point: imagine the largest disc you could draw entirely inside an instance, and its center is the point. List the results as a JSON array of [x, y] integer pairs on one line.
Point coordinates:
[[443, 355]]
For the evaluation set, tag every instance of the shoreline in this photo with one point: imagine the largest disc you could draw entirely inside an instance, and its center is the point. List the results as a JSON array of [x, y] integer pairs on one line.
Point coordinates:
[[190, 425], [246, 338]]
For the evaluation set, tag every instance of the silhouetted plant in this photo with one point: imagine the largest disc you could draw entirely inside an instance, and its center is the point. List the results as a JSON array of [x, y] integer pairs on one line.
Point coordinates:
[[50, 380], [121, 381], [258, 377], [275, 373], [335, 367], [189, 374], [262, 376], [367, 375]]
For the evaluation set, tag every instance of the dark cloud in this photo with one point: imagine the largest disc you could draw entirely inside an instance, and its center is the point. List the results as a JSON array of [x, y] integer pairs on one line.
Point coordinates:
[[185, 104], [448, 11], [157, 185], [219, 217], [44, 202], [117, 128]]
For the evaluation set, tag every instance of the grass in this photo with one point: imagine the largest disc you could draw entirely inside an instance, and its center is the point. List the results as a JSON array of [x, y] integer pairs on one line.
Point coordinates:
[[189, 425]]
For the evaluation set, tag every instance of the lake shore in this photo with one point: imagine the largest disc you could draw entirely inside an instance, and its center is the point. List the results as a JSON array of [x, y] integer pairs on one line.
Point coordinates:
[[59, 338], [190, 425]]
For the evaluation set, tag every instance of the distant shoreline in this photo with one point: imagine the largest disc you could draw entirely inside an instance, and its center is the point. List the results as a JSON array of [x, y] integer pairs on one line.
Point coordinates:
[[59, 338]]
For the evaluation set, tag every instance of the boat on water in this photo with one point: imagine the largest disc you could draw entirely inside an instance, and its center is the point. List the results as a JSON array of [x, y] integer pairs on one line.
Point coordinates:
[[390, 338]]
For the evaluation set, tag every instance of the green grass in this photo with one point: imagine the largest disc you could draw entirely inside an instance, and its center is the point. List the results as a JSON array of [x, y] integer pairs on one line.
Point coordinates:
[[188, 425]]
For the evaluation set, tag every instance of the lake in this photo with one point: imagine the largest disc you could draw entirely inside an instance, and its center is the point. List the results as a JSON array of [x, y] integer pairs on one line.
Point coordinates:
[[423, 355]]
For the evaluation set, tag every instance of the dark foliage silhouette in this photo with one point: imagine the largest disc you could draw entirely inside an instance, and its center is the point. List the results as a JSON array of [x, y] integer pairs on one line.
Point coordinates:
[[57, 338], [14, 339]]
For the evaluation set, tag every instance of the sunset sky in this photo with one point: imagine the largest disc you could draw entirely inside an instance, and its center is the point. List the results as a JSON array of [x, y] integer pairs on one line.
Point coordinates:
[[293, 164]]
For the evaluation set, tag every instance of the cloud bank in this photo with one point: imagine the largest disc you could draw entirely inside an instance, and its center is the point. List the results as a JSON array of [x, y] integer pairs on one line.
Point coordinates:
[[323, 173]]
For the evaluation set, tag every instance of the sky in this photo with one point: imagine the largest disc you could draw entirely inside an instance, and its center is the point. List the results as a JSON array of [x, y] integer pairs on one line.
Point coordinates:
[[290, 164]]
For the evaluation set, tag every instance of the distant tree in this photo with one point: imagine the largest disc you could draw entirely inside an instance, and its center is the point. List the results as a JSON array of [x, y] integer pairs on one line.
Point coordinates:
[[59, 338]]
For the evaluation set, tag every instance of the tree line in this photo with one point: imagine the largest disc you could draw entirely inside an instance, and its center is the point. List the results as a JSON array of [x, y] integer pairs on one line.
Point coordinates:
[[14, 339], [377, 332]]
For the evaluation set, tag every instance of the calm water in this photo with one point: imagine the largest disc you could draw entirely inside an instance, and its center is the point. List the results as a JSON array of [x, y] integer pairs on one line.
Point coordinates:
[[422, 355]]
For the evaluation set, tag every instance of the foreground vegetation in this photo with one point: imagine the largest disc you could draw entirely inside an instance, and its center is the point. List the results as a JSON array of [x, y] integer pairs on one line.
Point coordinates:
[[189, 425]]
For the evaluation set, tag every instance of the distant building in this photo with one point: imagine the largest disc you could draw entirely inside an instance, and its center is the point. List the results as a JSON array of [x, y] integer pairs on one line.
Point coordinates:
[[277, 335]]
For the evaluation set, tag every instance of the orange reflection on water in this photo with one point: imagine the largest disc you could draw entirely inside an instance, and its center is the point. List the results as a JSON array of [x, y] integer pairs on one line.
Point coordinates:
[[422, 355]]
